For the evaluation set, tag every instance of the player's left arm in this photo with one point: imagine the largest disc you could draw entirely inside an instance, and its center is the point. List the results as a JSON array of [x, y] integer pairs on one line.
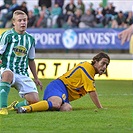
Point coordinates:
[[32, 67], [89, 83], [94, 97]]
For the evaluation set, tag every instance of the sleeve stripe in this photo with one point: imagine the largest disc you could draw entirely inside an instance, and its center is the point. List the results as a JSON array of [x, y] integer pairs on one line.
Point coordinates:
[[79, 67]]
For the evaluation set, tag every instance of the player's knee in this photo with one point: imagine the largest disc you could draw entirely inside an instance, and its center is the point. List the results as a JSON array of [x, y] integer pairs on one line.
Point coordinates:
[[7, 76], [32, 98], [56, 102], [66, 107], [33, 101]]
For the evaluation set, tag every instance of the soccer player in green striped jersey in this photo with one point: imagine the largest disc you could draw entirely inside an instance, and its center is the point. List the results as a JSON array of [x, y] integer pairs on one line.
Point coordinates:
[[17, 52]]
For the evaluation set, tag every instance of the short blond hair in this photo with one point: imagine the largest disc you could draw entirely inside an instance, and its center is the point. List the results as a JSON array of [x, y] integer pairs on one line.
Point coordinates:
[[18, 12]]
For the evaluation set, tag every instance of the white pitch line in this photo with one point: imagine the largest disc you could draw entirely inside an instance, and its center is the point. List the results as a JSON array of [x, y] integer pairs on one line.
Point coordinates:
[[125, 94]]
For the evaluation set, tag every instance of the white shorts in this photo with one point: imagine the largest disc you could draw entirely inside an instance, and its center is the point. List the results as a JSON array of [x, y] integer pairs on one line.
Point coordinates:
[[22, 83]]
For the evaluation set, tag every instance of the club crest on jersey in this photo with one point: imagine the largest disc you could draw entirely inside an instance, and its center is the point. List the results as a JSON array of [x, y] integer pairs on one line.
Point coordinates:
[[20, 51]]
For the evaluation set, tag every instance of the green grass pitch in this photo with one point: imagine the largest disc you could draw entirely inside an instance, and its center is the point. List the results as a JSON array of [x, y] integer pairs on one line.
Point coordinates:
[[116, 96]]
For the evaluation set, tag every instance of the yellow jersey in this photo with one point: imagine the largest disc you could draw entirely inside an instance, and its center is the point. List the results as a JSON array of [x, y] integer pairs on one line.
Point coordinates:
[[79, 80]]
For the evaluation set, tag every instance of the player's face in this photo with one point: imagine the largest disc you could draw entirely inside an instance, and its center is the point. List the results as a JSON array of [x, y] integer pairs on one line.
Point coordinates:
[[101, 66], [20, 23]]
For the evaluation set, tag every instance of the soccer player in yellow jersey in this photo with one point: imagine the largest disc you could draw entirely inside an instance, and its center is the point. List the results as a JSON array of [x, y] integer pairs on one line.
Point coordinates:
[[72, 85]]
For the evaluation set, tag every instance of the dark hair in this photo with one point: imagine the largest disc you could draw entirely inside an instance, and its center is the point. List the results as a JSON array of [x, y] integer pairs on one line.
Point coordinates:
[[99, 56]]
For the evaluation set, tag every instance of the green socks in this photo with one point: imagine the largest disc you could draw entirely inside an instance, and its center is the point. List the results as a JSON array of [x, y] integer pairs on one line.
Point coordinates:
[[4, 91], [20, 104]]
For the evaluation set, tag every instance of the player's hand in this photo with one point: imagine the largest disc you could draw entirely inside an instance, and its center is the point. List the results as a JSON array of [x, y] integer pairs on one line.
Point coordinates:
[[125, 35], [96, 110], [38, 83]]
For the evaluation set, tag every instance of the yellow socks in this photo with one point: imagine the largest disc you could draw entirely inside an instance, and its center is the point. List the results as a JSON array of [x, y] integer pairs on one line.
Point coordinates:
[[39, 106]]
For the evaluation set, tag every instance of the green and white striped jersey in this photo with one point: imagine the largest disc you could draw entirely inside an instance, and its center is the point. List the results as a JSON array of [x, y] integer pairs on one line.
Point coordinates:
[[16, 49]]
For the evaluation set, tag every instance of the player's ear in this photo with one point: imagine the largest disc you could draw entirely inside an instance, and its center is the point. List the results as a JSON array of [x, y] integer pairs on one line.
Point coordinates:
[[94, 61], [13, 22]]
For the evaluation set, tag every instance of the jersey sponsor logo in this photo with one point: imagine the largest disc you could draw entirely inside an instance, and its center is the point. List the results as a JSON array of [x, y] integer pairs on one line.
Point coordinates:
[[20, 51]]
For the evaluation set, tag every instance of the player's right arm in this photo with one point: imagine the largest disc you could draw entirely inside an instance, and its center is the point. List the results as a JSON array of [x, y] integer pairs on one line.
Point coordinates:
[[3, 43], [0, 59]]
